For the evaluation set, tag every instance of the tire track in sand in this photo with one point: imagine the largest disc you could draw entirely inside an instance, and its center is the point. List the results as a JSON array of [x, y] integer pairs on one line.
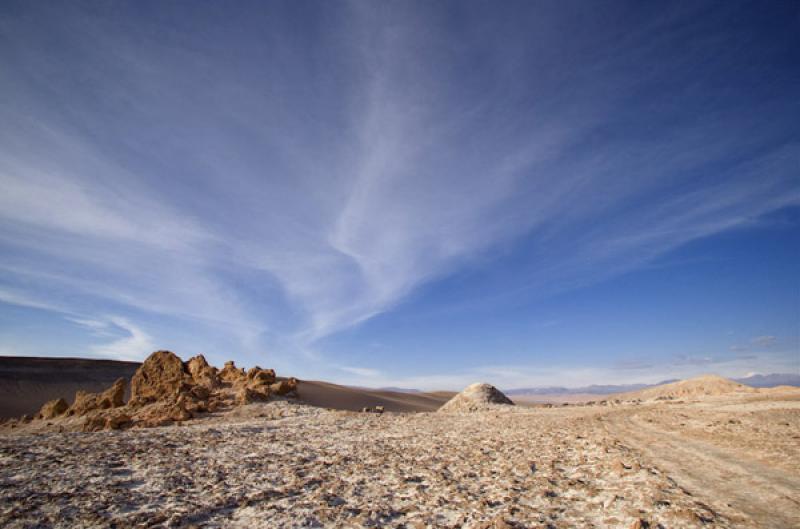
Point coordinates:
[[725, 480]]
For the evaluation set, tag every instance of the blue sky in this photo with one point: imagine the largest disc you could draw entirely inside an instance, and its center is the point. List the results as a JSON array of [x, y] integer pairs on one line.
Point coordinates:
[[410, 194]]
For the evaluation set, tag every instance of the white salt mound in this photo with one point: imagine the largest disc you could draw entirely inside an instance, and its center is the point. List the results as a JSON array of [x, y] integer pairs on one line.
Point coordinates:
[[477, 397]]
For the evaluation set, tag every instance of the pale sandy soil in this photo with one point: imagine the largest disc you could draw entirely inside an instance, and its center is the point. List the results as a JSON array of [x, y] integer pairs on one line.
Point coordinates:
[[288, 465], [741, 455], [560, 398]]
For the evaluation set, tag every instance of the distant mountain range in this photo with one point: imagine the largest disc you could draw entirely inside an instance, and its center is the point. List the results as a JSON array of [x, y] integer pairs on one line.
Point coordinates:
[[594, 389], [756, 381], [770, 381]]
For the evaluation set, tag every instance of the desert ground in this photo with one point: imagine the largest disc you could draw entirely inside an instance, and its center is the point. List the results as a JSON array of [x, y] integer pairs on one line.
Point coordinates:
[[706, 454]]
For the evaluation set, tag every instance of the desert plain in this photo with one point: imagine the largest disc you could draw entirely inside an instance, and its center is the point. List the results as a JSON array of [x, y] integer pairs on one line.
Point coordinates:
[[700, 453]]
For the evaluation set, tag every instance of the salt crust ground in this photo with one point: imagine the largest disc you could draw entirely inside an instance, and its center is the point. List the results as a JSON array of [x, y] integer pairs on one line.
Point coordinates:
[[288, 465]]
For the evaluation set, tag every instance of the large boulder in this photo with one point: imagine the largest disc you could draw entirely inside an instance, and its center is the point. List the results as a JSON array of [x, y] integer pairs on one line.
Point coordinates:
[[162, 376], [477, 397]]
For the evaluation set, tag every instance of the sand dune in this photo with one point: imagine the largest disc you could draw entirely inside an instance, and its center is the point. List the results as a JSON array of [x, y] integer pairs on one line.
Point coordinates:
[[327, 395]]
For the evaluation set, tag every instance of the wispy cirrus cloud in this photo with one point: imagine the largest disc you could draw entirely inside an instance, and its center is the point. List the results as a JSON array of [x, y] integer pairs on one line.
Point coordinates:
[[98, 327], [366, 373], [281, 215], [135, 343]]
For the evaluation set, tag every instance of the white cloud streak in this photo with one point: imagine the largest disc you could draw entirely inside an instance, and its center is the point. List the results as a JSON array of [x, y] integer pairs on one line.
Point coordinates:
[[418, 178], [364, 372], [135, 345]]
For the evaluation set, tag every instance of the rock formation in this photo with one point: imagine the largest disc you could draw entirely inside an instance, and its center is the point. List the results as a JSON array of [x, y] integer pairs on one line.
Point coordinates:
[[165, 390], [85, 402], [231, 374], [202, 373], [476, 397], [285, 387], [52, 409], [260, 377], [106, 421], [162, 375]]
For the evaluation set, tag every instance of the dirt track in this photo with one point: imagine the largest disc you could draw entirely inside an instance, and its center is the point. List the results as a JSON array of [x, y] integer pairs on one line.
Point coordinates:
[[745, 480]]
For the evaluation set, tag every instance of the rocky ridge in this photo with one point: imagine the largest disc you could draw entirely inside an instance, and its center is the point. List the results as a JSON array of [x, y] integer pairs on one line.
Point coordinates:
[[164, 390]]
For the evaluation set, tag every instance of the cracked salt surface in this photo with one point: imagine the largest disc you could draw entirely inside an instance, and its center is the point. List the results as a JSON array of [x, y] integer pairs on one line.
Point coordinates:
[[298, 466]]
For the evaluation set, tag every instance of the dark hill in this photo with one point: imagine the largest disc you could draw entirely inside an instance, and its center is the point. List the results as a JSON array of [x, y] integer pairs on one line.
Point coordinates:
[[28, 382]]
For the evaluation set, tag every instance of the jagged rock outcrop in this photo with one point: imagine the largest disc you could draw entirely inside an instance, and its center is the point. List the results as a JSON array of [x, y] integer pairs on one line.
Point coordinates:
[[246, 395], [114, 397], [231, 374], [477, 397], [260, 377], [166, 390], [285, 387], [85, 402], [169, 390], [202, 373], [52, 409]]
